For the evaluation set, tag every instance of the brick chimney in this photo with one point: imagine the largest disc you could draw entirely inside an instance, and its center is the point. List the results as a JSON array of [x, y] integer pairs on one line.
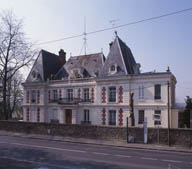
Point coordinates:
[[62, 56]]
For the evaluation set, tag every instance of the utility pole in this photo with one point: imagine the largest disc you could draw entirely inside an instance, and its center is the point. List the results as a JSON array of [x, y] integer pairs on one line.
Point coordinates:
[[168, 104]]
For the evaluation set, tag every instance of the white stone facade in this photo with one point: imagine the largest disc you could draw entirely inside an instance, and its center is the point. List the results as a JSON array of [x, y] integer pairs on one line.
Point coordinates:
[[93, 90], [54, 110]]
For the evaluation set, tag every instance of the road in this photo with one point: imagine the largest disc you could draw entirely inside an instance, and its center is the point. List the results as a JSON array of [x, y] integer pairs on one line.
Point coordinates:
[[25, 153]]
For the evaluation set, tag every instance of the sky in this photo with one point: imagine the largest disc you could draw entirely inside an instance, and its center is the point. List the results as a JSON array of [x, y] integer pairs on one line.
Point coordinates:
[[155, 44]]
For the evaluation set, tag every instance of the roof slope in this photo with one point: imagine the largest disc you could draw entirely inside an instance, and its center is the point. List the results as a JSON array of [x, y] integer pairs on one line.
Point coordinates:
[[51, 64], [121, 57], [46, 65], [127, 56], [82, 66]]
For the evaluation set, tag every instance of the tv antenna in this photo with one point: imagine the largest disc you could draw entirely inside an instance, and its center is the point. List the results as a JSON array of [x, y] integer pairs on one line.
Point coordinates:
[[85, 45]]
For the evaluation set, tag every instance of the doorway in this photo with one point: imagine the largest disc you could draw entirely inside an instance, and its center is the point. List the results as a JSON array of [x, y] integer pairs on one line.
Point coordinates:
[[68, 116]]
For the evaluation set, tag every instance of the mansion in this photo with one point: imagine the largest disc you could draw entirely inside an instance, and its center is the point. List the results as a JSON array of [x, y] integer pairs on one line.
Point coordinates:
[[94, 90]]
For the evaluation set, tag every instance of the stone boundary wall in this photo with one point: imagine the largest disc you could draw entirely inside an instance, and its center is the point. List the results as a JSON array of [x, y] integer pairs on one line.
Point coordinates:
[[177, 136]]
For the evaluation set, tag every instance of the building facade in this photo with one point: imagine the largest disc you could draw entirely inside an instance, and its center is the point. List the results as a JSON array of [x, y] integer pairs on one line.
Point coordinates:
[[92, 89]]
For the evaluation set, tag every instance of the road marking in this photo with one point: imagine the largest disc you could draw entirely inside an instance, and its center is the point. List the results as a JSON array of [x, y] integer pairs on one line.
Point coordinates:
[[123, 156], [35, 162], [53, 148], [147, 158], [105, 154], [173, 161]]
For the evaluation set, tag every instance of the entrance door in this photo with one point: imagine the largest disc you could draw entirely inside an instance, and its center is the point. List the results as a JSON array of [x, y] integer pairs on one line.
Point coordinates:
[[68, 116]]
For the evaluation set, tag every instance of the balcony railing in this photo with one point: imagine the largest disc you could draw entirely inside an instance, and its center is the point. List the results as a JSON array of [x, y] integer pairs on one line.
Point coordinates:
[[86, 122], [70, 101]]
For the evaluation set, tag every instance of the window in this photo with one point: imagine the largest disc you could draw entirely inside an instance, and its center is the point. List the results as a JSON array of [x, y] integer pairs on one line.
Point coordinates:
[[86, 94], [53, 116], [157, 91], [141, 92], [70, 94], [112, 94], [86, 115], [112, 117], [33, 96], [55, 95], [112, 68], [157, 117], [141, 116]]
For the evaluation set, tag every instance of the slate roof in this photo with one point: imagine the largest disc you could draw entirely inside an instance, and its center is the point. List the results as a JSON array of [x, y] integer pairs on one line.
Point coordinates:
[[51, 64], [127, 56], [120, 55], [85, 65]]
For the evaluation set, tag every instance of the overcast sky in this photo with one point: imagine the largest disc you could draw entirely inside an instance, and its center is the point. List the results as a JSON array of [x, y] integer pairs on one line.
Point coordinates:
[[155, 44]]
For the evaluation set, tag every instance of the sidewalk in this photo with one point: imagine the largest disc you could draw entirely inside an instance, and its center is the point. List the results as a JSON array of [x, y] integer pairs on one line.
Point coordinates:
[[99, 142]]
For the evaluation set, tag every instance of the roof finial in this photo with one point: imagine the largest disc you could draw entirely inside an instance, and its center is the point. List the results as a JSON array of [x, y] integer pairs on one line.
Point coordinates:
[[115, 33], [168, 69]]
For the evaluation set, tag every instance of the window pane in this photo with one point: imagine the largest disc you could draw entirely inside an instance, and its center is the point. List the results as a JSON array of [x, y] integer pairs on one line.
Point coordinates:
[[157, 91], [141, 116], [157, 117], [112, 117], [112, 94]]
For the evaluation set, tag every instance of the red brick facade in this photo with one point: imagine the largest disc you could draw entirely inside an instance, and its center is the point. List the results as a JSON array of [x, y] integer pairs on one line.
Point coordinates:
[[92, 95], [103, 116], [49, 96], [120, 94], [38, 97], [27, 114], [38, 114], [27, 97], [103, 95], [120, 116]]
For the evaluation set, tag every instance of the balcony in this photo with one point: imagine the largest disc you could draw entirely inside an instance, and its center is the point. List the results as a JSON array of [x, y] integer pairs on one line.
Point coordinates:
[[86, 122], [68, 101]]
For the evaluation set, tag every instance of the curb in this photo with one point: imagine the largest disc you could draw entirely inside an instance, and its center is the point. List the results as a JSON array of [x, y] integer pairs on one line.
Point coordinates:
[[103, 144]]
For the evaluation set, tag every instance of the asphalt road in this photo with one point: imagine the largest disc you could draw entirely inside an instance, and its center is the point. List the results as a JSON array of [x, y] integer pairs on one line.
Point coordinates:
[[24, 153]]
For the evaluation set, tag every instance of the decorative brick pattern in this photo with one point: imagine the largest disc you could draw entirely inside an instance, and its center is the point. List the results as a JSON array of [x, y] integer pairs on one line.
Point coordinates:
[[60, 93], [79, 94], [103, 116], [120, 116], [27, 97], [38, 114], [103, 95], [27, 114], [120, 94], [49, 96], [92, 95], [38, 97]]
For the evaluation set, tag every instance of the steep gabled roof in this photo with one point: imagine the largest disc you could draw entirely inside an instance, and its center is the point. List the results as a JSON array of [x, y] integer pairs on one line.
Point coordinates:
[[122, 58], [46, 65], [127, 56], [51, 64]]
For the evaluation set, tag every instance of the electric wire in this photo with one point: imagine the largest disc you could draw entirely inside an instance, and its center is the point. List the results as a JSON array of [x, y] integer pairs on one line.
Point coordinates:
[[115, 27]]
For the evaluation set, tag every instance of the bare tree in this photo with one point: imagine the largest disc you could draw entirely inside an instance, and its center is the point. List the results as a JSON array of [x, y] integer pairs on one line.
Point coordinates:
[[14, 94], [15, 52]]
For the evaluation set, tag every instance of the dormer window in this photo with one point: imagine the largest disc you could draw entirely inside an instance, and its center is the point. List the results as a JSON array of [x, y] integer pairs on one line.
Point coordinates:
[[34, 74], [113, 68]]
